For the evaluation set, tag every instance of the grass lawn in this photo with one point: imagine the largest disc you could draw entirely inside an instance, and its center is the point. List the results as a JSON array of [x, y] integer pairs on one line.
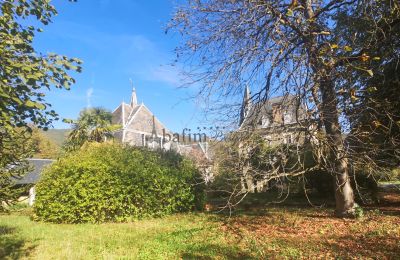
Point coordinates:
[[389, 182], [273, 232]]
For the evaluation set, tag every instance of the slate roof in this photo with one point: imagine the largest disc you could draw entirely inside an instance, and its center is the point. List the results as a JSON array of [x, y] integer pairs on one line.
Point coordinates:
[[123, 111], [258, 110], [138, 118], [33, 176]]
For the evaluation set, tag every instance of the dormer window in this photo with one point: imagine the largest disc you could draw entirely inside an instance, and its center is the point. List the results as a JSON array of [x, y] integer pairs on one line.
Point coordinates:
[[265, 121], [287, 117]]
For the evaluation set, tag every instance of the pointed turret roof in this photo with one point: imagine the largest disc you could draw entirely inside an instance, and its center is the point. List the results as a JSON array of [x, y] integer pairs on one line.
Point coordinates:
[[245, 104], [133, 98]]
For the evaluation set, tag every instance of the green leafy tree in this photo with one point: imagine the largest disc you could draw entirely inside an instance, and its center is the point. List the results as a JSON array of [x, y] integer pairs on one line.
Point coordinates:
[[93, 125], [25, 74]]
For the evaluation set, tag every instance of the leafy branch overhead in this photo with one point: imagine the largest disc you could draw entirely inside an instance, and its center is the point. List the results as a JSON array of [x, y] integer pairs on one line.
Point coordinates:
[[25, 73]]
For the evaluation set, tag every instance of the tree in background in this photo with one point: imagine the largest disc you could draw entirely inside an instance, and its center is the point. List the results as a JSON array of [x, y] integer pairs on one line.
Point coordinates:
[[288, 48], [93, 125], [44, 148], [25, 75]]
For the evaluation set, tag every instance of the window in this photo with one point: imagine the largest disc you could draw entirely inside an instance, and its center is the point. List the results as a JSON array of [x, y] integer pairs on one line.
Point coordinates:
[[289, 138], [265, 121], [287, 117]]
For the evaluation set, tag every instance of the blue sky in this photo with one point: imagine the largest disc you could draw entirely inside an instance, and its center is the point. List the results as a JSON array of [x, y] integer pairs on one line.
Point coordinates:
[[119, 40]]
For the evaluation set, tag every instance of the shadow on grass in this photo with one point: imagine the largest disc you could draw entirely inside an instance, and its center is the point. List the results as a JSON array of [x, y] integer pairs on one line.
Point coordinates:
[[214, 251], [274, 209], [192, 243], [11, 245]]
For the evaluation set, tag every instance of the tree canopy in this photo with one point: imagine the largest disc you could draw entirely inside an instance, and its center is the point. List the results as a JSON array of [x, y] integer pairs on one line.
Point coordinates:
[[25, 73], [44, 148], [322, 52], [25, 76]]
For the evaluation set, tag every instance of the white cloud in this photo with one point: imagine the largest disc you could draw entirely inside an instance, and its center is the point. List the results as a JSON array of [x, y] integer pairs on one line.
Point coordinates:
[[89, 95], [169, 75]]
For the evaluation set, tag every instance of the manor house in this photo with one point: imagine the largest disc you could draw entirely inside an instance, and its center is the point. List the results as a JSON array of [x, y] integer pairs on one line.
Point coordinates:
[[279, 119]]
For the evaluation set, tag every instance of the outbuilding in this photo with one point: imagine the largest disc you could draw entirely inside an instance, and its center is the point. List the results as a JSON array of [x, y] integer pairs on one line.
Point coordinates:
[[33, 176]]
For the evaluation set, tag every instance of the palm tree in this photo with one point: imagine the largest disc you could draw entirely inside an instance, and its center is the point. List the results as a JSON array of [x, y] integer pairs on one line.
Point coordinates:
[[93, 125]]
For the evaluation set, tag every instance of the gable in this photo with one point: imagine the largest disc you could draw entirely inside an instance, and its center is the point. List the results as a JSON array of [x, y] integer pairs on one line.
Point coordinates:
[[142, 121], [121, 114]]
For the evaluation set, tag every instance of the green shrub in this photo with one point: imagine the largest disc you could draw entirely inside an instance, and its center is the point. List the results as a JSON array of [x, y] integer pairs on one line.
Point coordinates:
[[391, 175], [111, 182]]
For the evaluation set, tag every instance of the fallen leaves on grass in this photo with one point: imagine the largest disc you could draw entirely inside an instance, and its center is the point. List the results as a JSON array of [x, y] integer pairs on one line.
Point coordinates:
[[314, 233]]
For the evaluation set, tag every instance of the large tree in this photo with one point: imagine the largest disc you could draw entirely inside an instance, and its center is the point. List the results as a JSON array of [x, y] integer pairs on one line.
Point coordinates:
[[287, 48], [26, 73], [25, 76]]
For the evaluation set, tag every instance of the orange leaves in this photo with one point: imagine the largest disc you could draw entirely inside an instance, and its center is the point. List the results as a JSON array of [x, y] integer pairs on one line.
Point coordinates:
[[376, 123], [316, 235], [293, 4], [348, 48], [364, 57]]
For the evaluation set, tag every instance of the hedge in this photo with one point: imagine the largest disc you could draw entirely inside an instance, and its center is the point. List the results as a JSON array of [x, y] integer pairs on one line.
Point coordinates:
[[115, 183]]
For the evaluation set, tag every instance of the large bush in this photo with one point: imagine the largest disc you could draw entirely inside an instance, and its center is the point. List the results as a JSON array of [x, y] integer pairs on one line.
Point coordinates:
[[111, 182]]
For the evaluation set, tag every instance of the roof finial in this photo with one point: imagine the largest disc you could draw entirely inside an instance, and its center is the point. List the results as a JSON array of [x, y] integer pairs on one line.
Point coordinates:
[[133, 97]]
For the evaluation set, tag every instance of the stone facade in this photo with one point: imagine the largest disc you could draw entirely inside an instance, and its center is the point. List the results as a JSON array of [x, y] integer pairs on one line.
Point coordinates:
[[140, 127]]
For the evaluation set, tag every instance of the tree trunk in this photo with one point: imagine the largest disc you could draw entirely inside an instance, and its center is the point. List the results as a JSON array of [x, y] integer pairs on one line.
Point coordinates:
[[338, 163]]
